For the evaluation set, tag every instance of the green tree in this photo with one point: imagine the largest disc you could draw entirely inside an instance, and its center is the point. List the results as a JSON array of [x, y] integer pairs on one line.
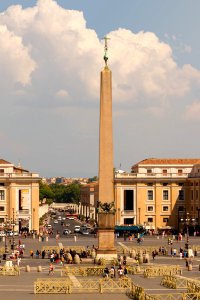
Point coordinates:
[[66, 193], [45, 191]]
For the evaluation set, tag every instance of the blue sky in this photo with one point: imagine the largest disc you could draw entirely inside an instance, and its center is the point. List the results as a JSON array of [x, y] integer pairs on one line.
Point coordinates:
[[51, 56]]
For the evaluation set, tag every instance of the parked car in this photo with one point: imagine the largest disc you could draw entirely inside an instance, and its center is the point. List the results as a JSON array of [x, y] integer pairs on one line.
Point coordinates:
[[10, 233], [77, 228], [67, 231], [71, 218], [2, 233], [85, 231]]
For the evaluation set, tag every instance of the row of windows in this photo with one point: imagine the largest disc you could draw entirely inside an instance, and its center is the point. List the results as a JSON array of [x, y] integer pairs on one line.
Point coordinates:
[[150, 208], [150, 195], [165, 172], [150, 220]]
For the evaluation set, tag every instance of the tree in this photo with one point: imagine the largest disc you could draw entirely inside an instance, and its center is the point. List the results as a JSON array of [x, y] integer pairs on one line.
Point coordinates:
[[66, 193], [45, 191]]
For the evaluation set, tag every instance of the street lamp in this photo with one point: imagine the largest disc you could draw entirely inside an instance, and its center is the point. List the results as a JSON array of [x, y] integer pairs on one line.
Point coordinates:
[[187, 221], [13, 230]]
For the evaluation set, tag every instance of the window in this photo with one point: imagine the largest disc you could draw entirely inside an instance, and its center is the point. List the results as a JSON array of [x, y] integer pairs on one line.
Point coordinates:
[[149, 195], [165, 195], [128, 200], [150, 184], [165, 183], [2, 195], [197, 194], [1, 171], [150, 220], [180, 172], [164, 172], [149, 208], [128, 221], [181, 195], [180, 183], [192, 195], [181, 208], [149, 171], [2, 208], [165, 208], [165, 220], [1, 220]]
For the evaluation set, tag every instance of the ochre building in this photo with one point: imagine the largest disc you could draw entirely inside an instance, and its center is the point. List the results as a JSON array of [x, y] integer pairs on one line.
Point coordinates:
[[19, 197], [158, 194]]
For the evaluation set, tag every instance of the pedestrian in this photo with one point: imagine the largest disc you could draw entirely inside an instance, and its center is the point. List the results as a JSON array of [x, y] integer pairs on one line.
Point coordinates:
[[18, 261], [51, 271], [112, 272], [31, 253], [125, 271], [120, 272]]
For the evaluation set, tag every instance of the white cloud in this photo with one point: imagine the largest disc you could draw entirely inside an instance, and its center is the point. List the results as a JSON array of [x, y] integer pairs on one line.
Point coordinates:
[[68, 54], [192, 112], [15, 62]]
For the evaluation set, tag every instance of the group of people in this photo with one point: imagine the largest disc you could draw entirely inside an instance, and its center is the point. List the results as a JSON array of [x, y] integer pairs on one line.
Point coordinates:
[[113, 272]]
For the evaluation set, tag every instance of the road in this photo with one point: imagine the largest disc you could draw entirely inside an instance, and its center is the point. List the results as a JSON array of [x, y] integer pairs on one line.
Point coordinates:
[[20, 287]]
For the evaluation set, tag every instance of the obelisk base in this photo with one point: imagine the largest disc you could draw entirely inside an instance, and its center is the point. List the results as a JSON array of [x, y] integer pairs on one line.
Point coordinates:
[[106, 247], [106, 237]]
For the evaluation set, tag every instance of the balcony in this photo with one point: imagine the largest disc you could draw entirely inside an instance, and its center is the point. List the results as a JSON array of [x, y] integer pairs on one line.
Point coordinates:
[[15, 175], [23, 213], [152, 175], [128, 213]]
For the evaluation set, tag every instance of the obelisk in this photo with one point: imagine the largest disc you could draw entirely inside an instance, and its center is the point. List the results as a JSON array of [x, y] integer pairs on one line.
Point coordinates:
[[106, 215]]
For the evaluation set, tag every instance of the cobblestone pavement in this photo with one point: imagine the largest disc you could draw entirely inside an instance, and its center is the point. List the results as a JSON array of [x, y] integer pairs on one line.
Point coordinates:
[[21, 287]]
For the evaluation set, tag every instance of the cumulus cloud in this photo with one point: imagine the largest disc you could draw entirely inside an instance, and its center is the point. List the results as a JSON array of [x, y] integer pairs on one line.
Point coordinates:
[[15, 62], [192, 111], [145, 68], [51, 47]]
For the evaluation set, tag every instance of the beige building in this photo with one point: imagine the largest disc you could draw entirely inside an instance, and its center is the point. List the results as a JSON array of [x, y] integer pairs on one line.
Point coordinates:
[[19, 197], [88, 201], [158, 194]]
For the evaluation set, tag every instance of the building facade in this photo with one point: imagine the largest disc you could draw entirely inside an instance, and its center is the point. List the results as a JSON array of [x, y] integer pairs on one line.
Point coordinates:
[[158, 194], [88, 201], [19, 197]]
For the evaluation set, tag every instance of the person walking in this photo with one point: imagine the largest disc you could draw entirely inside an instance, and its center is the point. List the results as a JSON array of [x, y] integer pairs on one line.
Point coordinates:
[[18, 261], [51, 270]]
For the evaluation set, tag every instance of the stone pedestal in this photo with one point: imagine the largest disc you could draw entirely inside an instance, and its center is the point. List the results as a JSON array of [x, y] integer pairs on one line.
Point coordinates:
[[106, 237]]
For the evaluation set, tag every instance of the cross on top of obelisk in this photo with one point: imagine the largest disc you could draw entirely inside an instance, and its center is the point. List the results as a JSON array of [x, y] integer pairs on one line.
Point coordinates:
[[106, 49]]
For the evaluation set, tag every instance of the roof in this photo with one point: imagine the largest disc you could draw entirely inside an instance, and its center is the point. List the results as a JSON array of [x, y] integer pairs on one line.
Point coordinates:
[[4, 162], [168, 161]]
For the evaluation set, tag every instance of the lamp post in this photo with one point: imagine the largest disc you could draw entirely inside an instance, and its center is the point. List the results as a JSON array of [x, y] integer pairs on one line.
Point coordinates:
[[13, 230], [139, 209], [187, 221]]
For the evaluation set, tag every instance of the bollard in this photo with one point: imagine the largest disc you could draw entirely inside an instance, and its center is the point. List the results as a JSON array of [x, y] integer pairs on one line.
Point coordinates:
[[47, 238], [27, 269], [39, 268], [190, 267], [40, 238], [34, 236], [75, 238]]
